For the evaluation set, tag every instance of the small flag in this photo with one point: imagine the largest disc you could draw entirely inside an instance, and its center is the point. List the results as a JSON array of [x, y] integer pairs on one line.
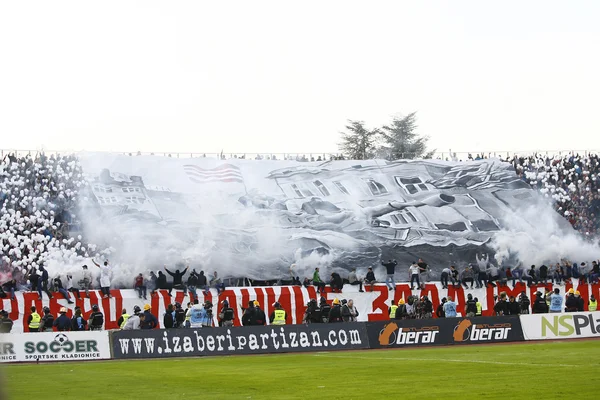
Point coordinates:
[[223, 173]]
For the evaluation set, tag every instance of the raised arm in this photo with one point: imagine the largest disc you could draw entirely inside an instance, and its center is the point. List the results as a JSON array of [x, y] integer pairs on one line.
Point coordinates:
[[168, 272], [95, 263]]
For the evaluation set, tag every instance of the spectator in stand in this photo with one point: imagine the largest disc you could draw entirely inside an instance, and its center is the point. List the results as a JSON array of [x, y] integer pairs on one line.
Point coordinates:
[[316, 281], [556, 301], [595, 273], [390, 268], [58, 286], [217, 283], [414, 271], [192, 285], [169, 317], [370, 278], [466, 276], [96, 319], [105, 272], [532, 273], [449, 308], [151, 283], [354, 280], [336, 283], [177, 279], [479, 282], [423, 270], [517, 272], [493, 275], [10, 287], [454, 276], [140, 288], [86, 282], [161, 282], [71, 288], [134, 322], [502, 277], [555, 275], [543, 274], [203, 283], [43, 283], [444, 277]]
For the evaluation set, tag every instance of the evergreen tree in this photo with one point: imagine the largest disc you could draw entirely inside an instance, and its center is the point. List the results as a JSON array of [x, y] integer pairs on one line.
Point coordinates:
[[359, 143], [401, 140]]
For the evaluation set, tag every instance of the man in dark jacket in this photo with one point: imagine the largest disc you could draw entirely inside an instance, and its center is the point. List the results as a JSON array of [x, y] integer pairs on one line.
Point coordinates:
[[149, 321], [203, 283], [192, 285], [96, 320], [259, 315], [10, 287], [248, 318], [226, 315], [313, 313], [325, 310], [177, 279], [539, 304], [513, 306], [161, 282], [471, 307], [179, 315], [390, 270], [6, 323], [579, 301], [335, 314], [168, 319], [43, 283], [336, 283], [78, 323], [543, 274], [370, 278], [524, 303], [58, 287], [47, 320], [401, 310], [500, 308], [439, 312], [62, 323]]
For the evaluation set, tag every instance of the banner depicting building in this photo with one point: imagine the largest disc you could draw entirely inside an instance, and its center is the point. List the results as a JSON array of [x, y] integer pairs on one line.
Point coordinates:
[[561, 325]]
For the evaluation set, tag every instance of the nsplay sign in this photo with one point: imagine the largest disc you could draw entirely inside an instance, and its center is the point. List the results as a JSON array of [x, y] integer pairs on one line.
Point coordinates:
[[561, 326]]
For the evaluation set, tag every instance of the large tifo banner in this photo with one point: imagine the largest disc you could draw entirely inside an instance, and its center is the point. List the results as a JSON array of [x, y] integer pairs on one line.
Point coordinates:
[[371, 305], [250, 218], [54, 346], [561, 325], [246, 340], [444, 331]]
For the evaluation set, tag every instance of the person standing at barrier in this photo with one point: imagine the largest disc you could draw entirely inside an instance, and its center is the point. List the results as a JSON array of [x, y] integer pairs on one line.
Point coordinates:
[[313, 313], [370, 278], [524, 303], [390, 269], [556, 301], [6, 323], [259, 315], [47, 321], [450, 308], [592, 303], [43, 283], [539, 304], [316, 281], [134, 322], [140, 288], [401, 310], [479, 307], [105, 271], [426, 308], [512, 306], [148, 321], [196, 314], [123, 318], [71, 288], [579, 301], [62, 323], [177, 280], [571, 302], [354, 280], [500, 308], [439, 312], [325, 310], [335, 314], [58, 287], [414, 271], [471, 306], [392, 310], [169, 317], [78, 323], [96, 320], [86, 282], [226, 315], [278, 316], [179, 316], [248, 317], [353, 311], [34, 320], [547, 296]]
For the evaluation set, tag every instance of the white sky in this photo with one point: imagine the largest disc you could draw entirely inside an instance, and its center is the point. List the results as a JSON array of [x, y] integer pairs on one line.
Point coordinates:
[[282, 76]]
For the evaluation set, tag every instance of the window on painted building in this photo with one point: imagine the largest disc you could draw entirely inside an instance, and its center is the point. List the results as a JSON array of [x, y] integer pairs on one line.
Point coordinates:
[[102, 189], [321, 188], [375, 187], [298, 192], [131, 189], [134, 200], [412, 185], [340, 187]]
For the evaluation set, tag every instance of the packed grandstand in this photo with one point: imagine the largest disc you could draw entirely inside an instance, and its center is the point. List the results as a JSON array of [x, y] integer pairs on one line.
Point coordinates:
[[40, 199]]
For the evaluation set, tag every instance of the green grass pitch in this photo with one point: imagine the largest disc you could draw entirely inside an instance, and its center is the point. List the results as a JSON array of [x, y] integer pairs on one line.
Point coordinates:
[[508, 371]]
